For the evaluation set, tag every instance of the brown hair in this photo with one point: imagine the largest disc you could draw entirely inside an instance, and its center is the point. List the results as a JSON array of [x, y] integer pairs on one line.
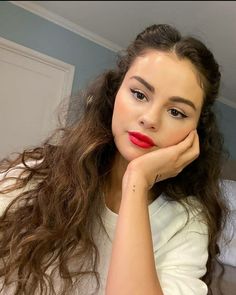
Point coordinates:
[[53, 221]]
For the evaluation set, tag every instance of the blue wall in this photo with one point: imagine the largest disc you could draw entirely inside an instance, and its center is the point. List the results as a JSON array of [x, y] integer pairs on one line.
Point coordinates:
[[23, 27], [227, 122], [89, 58]]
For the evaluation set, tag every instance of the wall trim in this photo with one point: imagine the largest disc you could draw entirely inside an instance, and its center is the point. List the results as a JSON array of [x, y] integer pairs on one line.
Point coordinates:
[[65, 23], [67, 68], [42, 58], [227, 102]]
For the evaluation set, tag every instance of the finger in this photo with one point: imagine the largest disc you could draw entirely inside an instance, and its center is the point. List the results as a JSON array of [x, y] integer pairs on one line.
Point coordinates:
[[187, 143], [192, 153]]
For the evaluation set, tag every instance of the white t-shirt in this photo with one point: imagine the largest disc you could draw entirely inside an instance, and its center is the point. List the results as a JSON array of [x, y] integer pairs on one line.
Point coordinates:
[[180, 251], [180, 257]]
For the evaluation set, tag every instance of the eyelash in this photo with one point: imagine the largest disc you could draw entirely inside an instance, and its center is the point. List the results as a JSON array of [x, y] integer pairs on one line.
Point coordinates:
[[183, 116]]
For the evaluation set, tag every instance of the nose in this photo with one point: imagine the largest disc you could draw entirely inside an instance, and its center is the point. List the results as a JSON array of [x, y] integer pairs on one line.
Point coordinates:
[[150, 119]]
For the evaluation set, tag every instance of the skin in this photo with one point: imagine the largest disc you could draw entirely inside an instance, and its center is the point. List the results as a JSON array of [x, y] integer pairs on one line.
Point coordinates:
[[155, 115], [132, 268]]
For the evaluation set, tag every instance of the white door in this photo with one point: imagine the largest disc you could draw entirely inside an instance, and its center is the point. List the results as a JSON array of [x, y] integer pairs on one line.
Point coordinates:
[[32, 85]]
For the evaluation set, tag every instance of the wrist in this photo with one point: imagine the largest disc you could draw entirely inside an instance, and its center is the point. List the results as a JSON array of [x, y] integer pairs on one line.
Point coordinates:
[[135, 187]]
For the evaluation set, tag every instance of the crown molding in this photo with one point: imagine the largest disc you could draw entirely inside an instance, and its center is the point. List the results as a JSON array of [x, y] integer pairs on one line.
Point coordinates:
[[65, 23], [227, 102]]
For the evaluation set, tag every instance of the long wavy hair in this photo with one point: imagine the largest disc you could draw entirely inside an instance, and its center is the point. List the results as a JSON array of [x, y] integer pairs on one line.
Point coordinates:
[[52, 220]]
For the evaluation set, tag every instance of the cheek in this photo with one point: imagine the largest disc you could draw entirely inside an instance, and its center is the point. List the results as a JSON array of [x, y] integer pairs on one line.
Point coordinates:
[[175, 134], [120, 105], [120, 111]]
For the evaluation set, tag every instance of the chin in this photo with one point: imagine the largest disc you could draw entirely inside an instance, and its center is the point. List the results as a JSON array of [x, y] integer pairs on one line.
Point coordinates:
[[129, 152]]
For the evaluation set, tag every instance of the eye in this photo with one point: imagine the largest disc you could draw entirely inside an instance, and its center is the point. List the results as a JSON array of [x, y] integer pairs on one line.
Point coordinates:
[[138, 94], [177, 114]]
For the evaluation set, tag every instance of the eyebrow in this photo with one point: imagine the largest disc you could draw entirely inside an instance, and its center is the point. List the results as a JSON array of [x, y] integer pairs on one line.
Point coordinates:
[[172, 98]]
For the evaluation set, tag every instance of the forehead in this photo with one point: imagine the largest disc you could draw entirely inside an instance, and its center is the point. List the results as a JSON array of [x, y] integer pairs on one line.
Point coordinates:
[[168, 74]]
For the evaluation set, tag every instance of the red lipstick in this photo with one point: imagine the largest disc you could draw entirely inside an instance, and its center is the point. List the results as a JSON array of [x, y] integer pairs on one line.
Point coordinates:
[[141, 140]]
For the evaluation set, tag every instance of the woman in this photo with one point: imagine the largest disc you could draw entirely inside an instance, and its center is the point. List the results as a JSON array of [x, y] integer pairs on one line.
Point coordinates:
[[129, 194]]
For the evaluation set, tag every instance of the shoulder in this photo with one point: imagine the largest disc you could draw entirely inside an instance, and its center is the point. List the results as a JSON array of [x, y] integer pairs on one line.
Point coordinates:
[[181, 247], [172, 217], [170, 212]]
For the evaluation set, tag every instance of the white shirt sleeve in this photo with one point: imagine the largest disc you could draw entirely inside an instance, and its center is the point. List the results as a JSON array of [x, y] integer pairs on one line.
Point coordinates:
[[181, 262]]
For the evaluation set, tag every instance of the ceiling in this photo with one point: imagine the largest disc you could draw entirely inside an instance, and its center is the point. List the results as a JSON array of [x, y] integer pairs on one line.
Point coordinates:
[[115, 23]]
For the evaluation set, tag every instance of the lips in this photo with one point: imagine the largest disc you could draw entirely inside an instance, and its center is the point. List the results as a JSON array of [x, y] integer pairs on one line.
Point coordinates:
[[142, 138]]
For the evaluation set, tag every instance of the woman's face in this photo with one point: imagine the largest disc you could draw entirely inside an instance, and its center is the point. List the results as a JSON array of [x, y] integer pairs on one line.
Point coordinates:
[[159, 97]]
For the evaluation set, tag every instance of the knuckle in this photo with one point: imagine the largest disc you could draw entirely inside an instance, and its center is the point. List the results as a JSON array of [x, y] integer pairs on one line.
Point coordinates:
[[175, 174], [197, 154], [178, 171], [178, 166]]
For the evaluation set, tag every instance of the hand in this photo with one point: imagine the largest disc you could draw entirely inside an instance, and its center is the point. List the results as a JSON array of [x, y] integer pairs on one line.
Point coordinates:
[[163, 163]]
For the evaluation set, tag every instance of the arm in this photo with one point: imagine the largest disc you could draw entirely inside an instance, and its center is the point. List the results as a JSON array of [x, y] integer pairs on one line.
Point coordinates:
[[132, 268]]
